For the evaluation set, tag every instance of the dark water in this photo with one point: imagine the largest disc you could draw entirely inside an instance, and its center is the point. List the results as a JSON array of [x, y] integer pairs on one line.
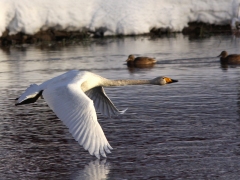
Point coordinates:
[[185, 130]]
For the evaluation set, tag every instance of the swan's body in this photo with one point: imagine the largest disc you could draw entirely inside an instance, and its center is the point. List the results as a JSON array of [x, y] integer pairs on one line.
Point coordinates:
[[140, 61], [229, 59], [74, 96]]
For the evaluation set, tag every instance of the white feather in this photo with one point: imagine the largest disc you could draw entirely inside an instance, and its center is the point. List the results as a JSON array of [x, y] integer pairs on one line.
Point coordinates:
[[101, 102], [77, 111]]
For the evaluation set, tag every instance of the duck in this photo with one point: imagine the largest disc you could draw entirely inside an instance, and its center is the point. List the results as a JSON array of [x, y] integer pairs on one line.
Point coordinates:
[[140, 61], [75, 97], [229, 59]]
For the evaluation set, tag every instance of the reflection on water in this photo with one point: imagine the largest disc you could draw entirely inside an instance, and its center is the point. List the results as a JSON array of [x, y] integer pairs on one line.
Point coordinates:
[[95, 170], [133, 69], [186, 130]]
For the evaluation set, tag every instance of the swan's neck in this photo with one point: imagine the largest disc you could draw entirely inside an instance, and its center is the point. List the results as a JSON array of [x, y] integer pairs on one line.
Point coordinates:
[[108, 82]]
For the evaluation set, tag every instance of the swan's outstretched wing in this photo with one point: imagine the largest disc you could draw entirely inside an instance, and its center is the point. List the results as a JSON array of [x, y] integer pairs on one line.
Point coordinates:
[[77, 112], [101, 102], [30, 92]]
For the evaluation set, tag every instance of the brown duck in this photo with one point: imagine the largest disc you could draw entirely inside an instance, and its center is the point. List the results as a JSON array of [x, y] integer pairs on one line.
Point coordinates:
[[140, 61], [229, 59]]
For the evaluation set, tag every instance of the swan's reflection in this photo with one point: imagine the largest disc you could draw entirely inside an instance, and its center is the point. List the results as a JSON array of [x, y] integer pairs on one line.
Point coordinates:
[[95, 170]]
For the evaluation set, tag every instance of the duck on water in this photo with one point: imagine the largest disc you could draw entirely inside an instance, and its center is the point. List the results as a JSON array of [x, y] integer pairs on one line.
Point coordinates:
[[140, 61], [232, 59]]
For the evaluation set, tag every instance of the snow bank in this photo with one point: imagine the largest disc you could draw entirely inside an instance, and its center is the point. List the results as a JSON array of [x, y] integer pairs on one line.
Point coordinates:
[[113, 16]]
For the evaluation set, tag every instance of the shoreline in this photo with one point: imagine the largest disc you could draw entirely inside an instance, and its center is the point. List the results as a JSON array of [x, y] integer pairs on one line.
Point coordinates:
[[194, 29]]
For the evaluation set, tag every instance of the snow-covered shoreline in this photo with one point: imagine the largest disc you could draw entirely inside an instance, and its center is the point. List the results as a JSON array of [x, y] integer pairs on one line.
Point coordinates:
[[194, 30], [109, 17], [115, 17]]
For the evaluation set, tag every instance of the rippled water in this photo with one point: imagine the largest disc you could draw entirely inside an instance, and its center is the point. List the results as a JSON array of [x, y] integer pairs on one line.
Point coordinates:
[[185, 130]]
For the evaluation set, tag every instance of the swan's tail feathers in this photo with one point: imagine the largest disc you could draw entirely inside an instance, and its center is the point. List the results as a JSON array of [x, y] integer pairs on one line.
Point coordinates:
[[123, 111], [31, 95]]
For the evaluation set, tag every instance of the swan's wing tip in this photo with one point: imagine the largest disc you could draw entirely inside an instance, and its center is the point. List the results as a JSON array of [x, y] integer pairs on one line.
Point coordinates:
[[30, 92], [123, 111], [97, 156]]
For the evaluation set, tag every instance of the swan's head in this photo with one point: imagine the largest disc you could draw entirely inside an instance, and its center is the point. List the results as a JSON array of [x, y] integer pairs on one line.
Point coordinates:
[[223, 54], [130, 58], [162, 80]]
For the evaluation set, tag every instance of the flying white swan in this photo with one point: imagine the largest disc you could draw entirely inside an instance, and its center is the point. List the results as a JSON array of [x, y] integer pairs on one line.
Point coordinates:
[[74, 96]]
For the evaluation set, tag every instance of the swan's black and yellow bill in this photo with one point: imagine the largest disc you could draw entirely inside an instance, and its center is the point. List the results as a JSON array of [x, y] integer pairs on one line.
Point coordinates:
[[169, 80]]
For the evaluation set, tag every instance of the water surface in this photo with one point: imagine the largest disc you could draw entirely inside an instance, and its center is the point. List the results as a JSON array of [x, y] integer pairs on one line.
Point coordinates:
[[185, 130]]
